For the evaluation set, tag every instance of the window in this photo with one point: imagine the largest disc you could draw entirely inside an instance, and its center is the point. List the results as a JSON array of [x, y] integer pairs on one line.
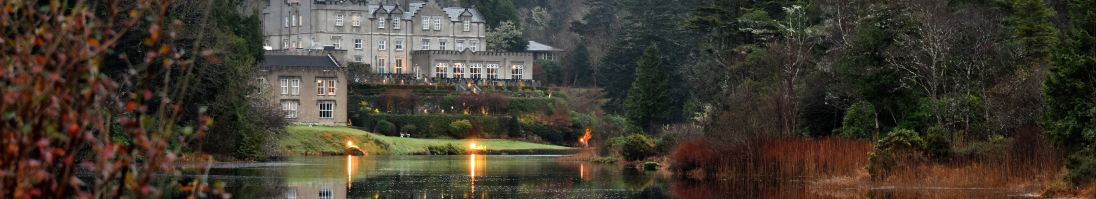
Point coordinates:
[[356, 20], [425, 23], [293, 19], [381, 44], [326, 193], [380, 22], [290, 108], [399, 66], [474, 70], [285, 44], [440, 72], [382, 66], [460, 45], [325, 86], [327, 110], [517, 71], [437, 23], [298, 43], [441, 44], [492, 71], [286, 22], [399, 45], [425, 44], [338, 19], [336, 42], [358, 44], [467, 25], [290, 85], [358, 58], [396, 24], [458, 70], [300, 20], [474, 45]]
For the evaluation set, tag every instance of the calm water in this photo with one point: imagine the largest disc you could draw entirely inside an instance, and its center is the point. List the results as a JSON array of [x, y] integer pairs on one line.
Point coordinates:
[[482, 176]]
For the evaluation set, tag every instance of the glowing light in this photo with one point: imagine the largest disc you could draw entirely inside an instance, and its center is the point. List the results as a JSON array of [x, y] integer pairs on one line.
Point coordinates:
[[585, 139]]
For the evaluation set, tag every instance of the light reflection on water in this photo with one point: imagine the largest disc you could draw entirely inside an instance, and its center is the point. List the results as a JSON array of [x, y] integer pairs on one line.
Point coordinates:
[[468, 176]]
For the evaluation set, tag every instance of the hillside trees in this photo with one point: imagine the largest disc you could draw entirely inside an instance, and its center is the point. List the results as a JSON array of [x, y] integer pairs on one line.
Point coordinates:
[[649, 99], [1069, 90], [507, 36]]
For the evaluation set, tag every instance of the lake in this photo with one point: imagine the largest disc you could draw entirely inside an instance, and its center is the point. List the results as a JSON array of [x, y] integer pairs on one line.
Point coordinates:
[[498, 176]]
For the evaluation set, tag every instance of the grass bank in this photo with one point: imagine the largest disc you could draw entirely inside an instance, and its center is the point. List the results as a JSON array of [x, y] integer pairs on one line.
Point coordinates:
[[315, 140]]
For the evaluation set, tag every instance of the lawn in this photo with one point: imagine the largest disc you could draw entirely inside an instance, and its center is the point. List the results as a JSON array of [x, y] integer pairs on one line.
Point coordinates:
[[316, 140]]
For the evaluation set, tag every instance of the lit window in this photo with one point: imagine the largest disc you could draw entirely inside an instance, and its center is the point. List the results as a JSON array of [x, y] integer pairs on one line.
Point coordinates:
[[437, 23], [425, 44], [325, 86], [441, 69], [458, 70], [327, 110], [399, 66], [380, 22], [381, 44], [425, 23], [399, 45], [339, 19], [290, 108], [358, 44], [474, 70], [517, 71], [356, 20], [467, 25]]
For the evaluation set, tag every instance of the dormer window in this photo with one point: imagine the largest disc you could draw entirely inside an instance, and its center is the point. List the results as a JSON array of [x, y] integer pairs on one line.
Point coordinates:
[[425, 23], [380, 22], [467, 25], [437, 23], [339, 19], [396, 23]]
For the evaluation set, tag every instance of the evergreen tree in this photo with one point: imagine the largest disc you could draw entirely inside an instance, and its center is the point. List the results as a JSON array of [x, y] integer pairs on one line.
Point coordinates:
[[579, 61], [648, 101], [1070, 121], [506, 37], [1032, 29]]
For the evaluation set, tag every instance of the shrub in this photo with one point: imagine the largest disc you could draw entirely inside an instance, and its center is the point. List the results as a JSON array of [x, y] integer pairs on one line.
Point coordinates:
[[385, 127], [859, 121], [938, 143], [448, 149], [460, 128], [634, 147], [1082, 166], [409, 128], [896, 148]]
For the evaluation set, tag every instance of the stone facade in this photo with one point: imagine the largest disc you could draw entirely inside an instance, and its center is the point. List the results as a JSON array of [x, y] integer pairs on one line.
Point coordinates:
[[310, 86], [380, 33], [478, 65]]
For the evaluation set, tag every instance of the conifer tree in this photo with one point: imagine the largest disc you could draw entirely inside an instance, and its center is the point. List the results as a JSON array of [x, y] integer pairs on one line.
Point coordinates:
[[648, 101]]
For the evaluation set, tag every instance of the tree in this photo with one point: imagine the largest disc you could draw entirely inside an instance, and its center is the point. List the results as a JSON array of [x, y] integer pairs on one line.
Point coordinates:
[[579, 61], [649, 100], [1069, 119], [506, 37], [495, 12], [1032, 29]]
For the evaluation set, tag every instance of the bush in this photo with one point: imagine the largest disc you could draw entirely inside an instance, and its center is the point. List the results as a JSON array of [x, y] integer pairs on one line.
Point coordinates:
[[938, 143], [634, 147], [859, 121], [897, 148], [460, 128], [435, 126], [385, 127], [409, 128], [1082, 167], [448, 149]]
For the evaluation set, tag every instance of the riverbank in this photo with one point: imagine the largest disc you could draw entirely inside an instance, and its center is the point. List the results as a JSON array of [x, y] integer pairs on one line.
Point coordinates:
[[317, 140]]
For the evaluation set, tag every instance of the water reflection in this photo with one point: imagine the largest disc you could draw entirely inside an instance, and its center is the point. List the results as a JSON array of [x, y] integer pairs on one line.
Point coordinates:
[[514, 177]]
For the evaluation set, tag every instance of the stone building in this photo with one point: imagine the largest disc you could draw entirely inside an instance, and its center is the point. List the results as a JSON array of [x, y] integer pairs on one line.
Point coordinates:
[[382, 33], [309, 85], [475, 66]]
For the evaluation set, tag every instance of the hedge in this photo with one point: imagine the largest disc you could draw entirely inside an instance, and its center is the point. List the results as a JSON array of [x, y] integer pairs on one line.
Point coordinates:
[[436, 126]]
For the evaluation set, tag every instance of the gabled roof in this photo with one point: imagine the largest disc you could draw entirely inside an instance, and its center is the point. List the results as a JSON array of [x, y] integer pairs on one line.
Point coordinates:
[[299, 61], [537, 46], [454, 13]]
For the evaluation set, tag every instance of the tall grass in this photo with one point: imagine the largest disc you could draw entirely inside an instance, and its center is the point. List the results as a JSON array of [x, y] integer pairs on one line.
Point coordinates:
[[773, 157]]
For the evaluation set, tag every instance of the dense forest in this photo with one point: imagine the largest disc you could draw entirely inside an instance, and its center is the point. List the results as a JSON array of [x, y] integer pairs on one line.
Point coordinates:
[[958, 73]]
